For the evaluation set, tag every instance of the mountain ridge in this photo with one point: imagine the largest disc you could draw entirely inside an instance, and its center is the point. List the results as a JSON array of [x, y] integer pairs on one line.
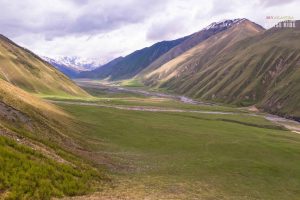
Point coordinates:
[[216, 43], [135, 64]]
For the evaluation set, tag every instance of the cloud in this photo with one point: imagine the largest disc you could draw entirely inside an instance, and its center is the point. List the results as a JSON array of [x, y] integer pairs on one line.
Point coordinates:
[[75, 17], [168, 29], [271, 3], [222, 7]]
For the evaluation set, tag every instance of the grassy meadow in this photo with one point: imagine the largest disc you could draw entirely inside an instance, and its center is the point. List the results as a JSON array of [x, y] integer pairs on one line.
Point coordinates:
[[167, 155]]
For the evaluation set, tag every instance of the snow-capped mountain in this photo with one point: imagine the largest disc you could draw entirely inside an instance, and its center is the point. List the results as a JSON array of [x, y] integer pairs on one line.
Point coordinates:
[[224, 23], [79, 63], [72, 66]]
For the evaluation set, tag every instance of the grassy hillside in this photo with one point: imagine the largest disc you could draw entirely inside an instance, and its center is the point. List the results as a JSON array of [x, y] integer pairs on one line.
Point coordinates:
[[24, 69], [261, 70], [37, 147]]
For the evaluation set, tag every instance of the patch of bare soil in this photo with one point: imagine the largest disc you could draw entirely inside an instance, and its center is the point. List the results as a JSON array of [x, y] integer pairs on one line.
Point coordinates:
[[12, 115], [253, 109]]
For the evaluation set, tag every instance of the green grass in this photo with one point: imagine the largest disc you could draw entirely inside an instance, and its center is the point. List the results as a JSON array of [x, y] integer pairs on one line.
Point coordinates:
[[129, 99], [216, 156], [27, 174], [132, 83]]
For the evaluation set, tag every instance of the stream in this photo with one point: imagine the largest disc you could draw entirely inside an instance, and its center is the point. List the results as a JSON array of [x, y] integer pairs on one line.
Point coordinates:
[[291, 125], [117, 89]]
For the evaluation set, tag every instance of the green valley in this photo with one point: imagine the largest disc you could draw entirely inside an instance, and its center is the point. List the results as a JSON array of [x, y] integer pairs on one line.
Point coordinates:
[[183, 155], [149, 100]]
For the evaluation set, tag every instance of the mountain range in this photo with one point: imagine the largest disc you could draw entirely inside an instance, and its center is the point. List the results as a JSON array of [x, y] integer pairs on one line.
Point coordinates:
[[154, 56], [243, 65], [129, 66], [233, 61]]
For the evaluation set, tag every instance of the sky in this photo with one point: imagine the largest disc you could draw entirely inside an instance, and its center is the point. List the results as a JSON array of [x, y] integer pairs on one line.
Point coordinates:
[[106, 29]]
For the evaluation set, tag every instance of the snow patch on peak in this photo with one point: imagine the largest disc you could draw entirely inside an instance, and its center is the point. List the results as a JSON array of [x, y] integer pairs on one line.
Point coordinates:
[[74, 62], [224, 23]]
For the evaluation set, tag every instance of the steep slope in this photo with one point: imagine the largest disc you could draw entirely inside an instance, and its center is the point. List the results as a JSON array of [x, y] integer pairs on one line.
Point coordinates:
[[32, 117], [24, 69], [262, 70], [193, 40], [131, 65], [35, 146]]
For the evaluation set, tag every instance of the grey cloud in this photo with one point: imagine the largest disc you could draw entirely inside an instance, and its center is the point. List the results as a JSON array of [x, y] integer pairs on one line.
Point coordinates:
[[83, 17]]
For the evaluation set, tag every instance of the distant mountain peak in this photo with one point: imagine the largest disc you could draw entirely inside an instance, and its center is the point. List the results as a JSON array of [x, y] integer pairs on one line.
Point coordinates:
[[72, 65], [224, 23], [74, 62]]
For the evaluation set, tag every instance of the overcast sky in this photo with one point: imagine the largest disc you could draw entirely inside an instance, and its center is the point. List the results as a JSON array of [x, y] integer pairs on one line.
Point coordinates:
[[105, 29]]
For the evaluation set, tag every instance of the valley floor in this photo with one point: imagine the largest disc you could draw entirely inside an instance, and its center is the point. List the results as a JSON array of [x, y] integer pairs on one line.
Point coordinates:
[[158, 147]]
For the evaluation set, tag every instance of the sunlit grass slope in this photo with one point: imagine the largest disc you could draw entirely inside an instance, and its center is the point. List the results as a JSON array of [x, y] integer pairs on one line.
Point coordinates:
[[37, 149], [26, 70]]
